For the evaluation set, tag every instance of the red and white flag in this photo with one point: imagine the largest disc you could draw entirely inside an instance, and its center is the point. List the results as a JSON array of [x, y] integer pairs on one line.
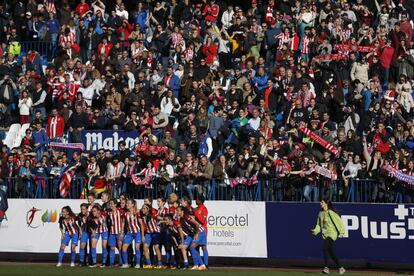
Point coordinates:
[[65, 182]]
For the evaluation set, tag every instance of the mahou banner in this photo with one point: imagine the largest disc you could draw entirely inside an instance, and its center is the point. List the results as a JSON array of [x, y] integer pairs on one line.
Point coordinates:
[[94, 140]]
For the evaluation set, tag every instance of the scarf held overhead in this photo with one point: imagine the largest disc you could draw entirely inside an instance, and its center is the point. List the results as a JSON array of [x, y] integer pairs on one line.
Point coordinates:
[[318, 139], [75, 146], [399, 174], [354, 48]]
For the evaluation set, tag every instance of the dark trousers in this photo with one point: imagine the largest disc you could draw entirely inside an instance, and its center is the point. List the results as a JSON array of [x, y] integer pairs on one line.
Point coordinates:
[[329, 251]]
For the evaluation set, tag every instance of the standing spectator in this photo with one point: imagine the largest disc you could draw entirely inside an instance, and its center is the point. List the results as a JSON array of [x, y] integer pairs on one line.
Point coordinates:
[[25, 104], [39, 98], [78, 121]]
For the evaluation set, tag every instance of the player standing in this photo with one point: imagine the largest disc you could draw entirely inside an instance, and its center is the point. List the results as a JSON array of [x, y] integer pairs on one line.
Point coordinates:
[[70, 233], [99, 229], [116, 231], [135, 233]]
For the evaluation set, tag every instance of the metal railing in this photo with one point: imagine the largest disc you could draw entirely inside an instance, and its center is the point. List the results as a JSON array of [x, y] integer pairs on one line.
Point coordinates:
[[44, 48], [358, 190]]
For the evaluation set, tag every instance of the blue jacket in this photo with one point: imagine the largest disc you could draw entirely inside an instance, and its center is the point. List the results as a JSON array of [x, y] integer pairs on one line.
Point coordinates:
[[175, 85], [203, 148], [53, 26], [141, 19], [367, 98], [40, 137], [260, 82]]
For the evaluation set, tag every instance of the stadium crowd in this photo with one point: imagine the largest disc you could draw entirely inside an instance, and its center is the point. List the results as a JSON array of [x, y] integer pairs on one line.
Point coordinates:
[[312, 95]]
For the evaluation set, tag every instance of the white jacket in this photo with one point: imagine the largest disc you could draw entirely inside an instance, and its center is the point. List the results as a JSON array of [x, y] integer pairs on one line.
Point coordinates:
[[24, 107], [167, 106]]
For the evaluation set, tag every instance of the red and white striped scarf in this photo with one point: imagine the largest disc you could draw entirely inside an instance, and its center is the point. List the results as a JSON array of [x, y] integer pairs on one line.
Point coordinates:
[[318, 139]]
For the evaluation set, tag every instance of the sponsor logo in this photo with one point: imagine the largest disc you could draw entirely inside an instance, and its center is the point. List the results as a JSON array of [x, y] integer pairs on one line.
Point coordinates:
[[101, 140], [224, 226], [32, 220], [399, 229]]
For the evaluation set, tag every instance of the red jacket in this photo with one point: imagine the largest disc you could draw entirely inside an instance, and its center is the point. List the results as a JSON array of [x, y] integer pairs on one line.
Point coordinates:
[[381, 140], [386, 56], [125, 31], [210, 52], [108, 48], [55, 126]]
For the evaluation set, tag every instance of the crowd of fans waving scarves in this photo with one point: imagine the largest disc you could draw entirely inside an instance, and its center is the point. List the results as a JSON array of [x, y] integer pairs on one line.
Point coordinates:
[[304, 92]]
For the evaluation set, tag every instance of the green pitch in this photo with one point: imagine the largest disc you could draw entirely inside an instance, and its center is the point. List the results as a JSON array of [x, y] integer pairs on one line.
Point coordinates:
[[44, 270]]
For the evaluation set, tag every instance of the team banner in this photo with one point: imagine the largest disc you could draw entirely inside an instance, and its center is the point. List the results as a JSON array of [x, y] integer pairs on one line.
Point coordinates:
[[373, 232], [108, 139], [235, 229]]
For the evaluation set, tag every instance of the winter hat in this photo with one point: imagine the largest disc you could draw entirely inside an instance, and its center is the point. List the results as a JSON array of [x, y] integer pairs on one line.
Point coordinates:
[[389, 95]]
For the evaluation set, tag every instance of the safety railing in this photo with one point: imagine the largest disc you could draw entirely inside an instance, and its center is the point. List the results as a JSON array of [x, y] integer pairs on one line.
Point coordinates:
[[358, 190], [44, 48]]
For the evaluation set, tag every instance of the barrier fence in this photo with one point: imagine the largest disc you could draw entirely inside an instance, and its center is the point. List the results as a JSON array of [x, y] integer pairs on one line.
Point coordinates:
[[359, 190], [374, 233]]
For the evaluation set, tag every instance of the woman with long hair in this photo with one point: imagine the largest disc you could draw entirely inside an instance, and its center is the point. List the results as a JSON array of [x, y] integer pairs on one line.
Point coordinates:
[[116, 225], [331, 226], [99, 229], [152, 236], [25, 104], [85, 234], [70, 233], [134, 233]]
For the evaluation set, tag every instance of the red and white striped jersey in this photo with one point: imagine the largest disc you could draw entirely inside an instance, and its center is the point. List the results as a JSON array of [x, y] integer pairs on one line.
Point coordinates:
[[67, 40], [101, 224], [70, 226], [188, 54], [162, 212], [133, 222], [151, 226], [306, 43], [116, 221], [176, 39], [283, 38], [91, 168], [294, 42]]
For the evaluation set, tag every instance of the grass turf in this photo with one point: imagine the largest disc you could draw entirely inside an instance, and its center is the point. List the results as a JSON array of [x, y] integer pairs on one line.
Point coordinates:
[[42, 270]]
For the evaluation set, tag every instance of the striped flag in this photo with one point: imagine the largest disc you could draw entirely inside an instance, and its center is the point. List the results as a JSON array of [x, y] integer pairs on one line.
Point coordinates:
[[64, 186]]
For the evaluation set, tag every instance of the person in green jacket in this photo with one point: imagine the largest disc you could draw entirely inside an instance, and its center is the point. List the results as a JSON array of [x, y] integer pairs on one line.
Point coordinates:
[[331, 226]]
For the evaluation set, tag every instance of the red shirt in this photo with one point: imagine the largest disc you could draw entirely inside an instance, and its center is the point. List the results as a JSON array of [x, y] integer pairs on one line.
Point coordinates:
[[386, 56], [201, 215]]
